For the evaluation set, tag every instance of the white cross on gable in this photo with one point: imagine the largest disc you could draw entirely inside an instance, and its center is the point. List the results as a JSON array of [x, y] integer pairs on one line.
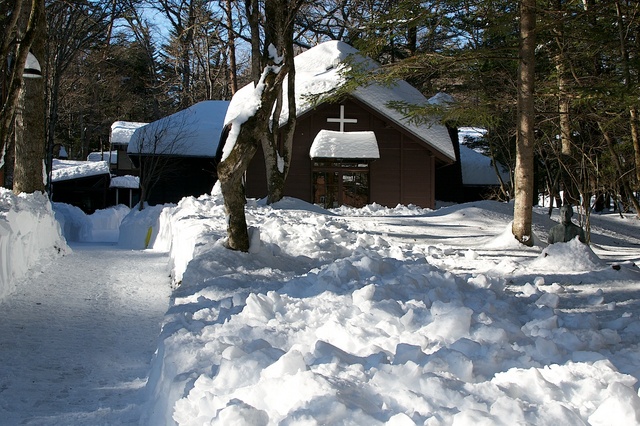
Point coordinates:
[[342, 120]]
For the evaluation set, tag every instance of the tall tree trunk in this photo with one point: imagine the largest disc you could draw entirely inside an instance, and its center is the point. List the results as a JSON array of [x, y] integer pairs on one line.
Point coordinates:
[[563, 108], [230, 174], [22, 12], [112, 19], [253, 14], [633, 113], [523, 206], [248, 135], [233, 73], [278, 144], [563, 98], [30, 139]]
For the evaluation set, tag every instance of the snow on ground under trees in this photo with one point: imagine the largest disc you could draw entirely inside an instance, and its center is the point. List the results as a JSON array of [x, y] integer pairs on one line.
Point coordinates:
[[389, 316]]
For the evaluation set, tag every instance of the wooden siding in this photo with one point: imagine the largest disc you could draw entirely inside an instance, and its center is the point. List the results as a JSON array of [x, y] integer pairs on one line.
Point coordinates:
[[183, 177], [404, 174]]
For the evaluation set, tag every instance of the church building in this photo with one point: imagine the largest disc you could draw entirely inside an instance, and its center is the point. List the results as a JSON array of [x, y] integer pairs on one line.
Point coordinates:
[[358, 150]]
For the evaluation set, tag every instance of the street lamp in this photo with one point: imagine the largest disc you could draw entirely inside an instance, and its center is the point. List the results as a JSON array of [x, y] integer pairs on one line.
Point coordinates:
[[32, 67]]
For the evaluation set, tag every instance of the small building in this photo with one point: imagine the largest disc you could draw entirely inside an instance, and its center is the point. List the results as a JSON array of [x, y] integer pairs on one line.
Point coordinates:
[[123, 189], [83, 184], [359, 150], [177, 155], [121, 132]]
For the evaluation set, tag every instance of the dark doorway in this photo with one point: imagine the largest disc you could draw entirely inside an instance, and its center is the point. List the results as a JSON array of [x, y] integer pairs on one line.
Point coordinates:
[[340, 183]]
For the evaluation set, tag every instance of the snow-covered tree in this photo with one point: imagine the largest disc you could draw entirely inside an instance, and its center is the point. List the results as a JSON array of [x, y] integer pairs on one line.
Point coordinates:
[[260, 125]]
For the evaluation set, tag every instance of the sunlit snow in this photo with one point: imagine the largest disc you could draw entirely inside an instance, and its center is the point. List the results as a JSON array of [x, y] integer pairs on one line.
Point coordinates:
[[332, 144], [394, 315], [386, 316], [72, 169]]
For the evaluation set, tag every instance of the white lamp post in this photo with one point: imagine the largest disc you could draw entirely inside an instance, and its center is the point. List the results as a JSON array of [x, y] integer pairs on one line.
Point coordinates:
[[32, 67]]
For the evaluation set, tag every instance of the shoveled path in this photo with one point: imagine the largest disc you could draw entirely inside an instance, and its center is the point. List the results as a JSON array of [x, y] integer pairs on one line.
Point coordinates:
[[77, 339]]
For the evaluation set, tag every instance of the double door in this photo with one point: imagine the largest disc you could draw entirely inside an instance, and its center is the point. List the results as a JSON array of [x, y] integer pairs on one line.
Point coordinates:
[[340, 184]]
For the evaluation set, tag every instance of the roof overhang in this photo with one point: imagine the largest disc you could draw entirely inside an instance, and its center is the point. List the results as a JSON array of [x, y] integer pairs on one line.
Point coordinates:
[[350, 145]]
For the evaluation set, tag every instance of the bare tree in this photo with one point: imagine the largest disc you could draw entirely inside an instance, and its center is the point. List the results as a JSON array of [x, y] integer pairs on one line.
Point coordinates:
[[277, 143], [244, 136], [73, 28], [156, 147]]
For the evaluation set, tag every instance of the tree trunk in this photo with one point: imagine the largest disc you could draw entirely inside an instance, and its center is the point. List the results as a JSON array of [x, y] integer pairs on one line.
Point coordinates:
[[563, 110], [278, 146], [275, 176], [234, 201], [563, 98], [636, 141], [262, 126], [230, 173], [523, 206], [30, 138], [626, 72], [253, 15], [233, 73], [231, 169], [22, 11]]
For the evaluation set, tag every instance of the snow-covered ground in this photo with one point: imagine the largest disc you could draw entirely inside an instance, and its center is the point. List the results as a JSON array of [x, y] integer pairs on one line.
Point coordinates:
[[30, 237], [374, 316], [77, 332], [76, 339], [396, 316]]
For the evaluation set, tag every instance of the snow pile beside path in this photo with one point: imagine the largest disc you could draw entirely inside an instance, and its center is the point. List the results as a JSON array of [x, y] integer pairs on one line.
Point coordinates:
[[30, 237], [101, 226], [323, 325], [139, 228], [185, 227]]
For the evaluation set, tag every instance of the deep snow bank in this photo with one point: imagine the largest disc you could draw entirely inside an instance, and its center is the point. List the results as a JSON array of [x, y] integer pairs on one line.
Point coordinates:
[[100, 226], [321, 324], [184, 228], [139, 228], [30, 236]]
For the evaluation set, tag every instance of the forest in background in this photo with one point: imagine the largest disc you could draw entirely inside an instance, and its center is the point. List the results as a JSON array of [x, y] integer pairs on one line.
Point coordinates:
[[140, 60]]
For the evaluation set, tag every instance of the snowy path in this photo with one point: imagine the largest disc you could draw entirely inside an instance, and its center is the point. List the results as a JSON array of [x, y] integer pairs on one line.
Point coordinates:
[[76, 341]]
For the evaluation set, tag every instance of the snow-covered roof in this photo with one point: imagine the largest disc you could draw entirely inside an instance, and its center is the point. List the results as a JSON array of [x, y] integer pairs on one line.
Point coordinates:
[[192, 132], [128, 181], [121, 131], [108, 156], [71, 169], [318, 72], [332, 144], [477, 168]]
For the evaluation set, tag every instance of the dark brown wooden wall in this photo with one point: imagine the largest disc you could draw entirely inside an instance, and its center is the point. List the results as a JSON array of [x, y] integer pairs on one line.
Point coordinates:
[[404, 174]]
